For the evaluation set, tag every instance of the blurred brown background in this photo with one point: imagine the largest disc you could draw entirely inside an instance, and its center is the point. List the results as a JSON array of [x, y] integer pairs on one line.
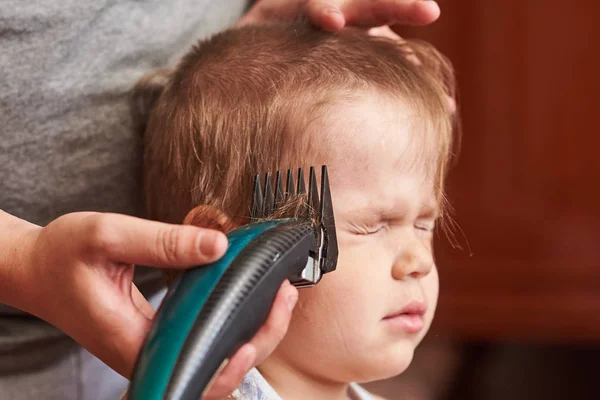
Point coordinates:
[[519, 311]]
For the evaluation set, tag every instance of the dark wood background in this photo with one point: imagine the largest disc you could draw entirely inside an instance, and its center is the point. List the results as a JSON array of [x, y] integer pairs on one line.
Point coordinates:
[[526, 190]]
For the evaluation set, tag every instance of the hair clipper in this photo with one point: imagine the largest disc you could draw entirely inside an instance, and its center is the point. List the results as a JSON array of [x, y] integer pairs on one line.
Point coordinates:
[[212, 310]]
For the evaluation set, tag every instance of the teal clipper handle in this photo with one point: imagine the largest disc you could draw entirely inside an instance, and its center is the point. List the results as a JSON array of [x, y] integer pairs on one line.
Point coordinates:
[[212, 310]]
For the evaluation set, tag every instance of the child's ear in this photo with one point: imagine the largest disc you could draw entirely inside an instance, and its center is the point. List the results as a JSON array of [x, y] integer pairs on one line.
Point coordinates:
[[203, 216], [209, 217], [144, 96]]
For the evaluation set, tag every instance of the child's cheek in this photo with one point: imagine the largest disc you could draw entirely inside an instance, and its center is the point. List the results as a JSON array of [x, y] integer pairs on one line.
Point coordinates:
[[431, 286], [334, 296]]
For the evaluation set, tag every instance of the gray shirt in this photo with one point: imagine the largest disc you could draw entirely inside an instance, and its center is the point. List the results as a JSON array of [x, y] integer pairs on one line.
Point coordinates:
[[66, 142]]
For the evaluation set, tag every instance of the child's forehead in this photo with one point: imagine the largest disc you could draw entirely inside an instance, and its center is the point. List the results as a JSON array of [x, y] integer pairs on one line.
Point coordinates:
[[379, 158], [373, 133]]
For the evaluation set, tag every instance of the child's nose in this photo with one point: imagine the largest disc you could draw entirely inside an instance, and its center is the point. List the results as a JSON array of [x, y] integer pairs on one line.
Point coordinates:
[[414, 260]]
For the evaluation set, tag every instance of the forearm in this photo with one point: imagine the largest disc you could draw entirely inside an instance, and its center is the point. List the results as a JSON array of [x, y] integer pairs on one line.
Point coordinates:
[[16, 236]]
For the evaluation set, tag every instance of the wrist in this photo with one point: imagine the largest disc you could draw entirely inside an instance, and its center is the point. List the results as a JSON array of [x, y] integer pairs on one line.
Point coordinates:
[[17, 238]]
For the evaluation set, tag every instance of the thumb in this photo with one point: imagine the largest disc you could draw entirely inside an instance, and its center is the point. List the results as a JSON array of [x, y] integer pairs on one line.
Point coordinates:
[[132, 240], [326, 14]]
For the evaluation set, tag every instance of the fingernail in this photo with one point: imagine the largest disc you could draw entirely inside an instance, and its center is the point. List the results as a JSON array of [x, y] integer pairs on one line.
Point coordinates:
[[212, 244], [291, 301]]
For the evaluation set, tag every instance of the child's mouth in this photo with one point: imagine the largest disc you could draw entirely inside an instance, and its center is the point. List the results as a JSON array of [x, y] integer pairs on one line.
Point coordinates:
[[409, 319]]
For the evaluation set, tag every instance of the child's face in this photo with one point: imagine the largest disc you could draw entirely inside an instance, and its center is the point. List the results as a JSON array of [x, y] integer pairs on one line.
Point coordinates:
[[343, 329]]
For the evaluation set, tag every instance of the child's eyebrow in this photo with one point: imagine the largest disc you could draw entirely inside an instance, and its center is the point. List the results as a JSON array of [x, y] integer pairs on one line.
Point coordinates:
[[368, 213], [430, 210]]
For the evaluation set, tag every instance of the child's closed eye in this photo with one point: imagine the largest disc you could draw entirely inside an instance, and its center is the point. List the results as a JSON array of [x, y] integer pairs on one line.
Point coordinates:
[[425, 228], [366, 229]]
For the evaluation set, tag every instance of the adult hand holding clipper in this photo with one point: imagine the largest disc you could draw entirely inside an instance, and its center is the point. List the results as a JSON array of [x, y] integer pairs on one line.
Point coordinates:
[[76, 273], [209, 313]]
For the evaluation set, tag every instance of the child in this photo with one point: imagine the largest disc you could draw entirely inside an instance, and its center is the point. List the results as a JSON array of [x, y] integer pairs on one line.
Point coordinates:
[[274, 97]]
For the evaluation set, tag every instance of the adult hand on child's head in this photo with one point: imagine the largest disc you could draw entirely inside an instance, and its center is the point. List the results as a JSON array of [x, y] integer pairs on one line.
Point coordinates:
[[76, 273], [335, 14], [381, 17]]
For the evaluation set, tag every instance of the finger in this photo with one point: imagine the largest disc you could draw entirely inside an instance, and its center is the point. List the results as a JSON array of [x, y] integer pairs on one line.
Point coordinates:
[[141, 303], [390, 12], [326, 14], [260, 347], [233, 374], [133, 332], [115, 333], [276, 325], [131, 240], [263, 11], [253, 16], [385, 31]]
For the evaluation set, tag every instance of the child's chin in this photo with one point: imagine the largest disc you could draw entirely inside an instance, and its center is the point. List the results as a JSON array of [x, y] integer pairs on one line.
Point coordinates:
[[392, 363]]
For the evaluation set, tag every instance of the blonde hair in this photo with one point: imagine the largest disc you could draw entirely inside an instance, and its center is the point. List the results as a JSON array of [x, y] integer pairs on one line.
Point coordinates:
[[240, 103]]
